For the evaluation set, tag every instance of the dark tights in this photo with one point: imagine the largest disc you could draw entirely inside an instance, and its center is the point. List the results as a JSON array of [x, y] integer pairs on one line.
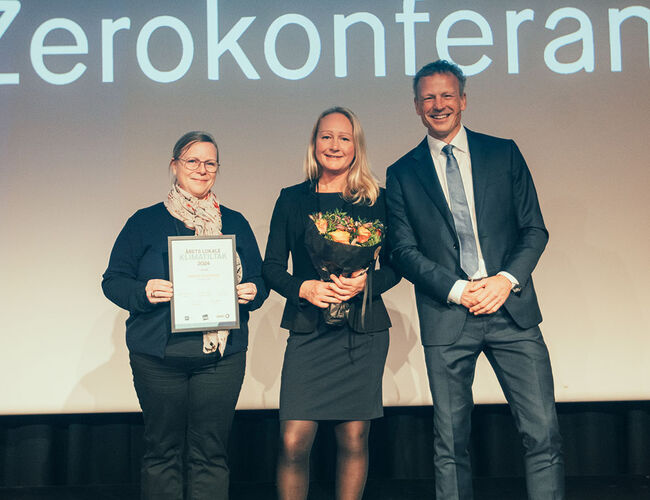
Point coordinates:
[[296, 439]]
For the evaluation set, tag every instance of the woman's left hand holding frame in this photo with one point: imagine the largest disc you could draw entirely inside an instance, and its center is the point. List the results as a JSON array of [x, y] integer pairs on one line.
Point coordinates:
[[159, 291]]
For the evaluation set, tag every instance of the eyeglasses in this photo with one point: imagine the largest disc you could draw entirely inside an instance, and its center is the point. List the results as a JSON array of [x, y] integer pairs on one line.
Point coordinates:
[[194, 163]]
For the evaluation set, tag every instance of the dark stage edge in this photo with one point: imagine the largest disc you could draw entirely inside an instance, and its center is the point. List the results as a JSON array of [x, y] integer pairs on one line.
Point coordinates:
[[578, 488]]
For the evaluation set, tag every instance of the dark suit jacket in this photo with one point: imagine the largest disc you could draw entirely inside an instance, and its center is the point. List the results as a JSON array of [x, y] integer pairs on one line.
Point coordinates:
[[286, 236], [425, 246]]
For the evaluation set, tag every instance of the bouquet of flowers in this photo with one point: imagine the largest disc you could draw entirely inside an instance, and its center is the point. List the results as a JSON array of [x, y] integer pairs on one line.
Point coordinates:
[[339, 244]]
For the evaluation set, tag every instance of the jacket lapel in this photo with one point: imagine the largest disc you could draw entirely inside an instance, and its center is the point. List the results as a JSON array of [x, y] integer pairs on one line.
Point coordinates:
[[480, 172], [308, 200], [426, 173]]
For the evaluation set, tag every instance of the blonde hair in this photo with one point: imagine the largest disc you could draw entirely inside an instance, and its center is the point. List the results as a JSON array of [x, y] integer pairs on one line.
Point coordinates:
[[361, 186]]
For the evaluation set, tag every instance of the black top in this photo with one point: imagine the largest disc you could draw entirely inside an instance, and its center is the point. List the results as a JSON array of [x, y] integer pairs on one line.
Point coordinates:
[[140, 254], [286, 237], [328, 202]]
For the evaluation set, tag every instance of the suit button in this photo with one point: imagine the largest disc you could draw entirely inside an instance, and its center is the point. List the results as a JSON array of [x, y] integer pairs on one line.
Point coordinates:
[[455, 247]]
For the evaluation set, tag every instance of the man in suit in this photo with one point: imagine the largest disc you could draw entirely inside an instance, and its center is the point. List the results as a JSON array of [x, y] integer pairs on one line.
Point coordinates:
[[466, 229]]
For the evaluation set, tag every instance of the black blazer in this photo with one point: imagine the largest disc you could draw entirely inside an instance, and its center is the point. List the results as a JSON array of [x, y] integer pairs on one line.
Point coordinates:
[[423, 238], [286, 237]]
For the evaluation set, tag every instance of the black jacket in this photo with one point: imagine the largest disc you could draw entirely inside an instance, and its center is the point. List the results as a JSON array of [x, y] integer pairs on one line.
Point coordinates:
[[286, 237], [140, 254]]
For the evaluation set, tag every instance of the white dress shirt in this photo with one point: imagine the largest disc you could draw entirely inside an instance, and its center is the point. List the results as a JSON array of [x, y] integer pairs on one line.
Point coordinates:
[[461, 152]]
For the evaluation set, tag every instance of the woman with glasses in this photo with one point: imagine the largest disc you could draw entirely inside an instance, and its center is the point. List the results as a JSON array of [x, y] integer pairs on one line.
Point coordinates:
[[187, 384]]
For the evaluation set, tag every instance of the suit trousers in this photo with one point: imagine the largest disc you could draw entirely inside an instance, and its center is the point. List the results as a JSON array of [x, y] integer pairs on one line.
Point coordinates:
[[188, 405], [521, 363]]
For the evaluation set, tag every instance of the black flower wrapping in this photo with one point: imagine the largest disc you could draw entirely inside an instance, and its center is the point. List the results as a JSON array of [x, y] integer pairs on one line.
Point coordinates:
[[331, 257]]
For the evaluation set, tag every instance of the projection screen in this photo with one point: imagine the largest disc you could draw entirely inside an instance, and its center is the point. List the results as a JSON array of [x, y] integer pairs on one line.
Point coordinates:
[[95, 93]]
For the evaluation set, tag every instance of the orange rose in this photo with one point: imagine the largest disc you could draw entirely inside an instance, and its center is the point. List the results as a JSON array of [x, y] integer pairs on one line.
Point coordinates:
[[321, 225], [340, 236], [363, 234]]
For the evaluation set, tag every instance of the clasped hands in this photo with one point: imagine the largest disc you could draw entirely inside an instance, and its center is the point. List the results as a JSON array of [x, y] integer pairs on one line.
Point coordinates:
[[162, 291], [340, 289], [487, 295]]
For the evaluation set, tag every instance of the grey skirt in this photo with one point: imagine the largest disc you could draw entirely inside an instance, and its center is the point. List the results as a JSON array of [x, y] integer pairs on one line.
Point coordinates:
[[333, 373]]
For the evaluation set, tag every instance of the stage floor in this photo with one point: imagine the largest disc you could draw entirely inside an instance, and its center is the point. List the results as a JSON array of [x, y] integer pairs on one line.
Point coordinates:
[[578, 488]]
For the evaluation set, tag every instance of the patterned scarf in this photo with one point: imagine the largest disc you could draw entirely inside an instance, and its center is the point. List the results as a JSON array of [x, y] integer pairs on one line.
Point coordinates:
[[204, 216]]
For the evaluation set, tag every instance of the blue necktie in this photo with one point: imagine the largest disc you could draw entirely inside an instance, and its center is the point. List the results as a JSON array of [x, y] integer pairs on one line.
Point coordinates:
[[460, 212]]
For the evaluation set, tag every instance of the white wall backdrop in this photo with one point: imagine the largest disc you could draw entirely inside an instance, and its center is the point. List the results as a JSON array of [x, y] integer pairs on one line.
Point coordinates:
[[94, 94]]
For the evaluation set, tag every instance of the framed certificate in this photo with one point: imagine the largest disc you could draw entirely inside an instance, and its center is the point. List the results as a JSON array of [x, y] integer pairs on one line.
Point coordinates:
[[203, 272]]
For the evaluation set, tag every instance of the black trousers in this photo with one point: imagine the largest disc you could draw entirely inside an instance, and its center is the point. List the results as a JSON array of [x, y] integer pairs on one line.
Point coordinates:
[[188, 405]]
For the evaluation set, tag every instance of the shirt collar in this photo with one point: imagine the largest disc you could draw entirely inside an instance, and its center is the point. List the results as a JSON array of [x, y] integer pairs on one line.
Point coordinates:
[[459, 142]]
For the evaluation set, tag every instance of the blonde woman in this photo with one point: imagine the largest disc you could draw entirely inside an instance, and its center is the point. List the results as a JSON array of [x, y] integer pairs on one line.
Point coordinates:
[[330, 372]]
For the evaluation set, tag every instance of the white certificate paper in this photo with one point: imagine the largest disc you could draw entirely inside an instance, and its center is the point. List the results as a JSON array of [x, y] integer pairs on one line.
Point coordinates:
[[203, 272]]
